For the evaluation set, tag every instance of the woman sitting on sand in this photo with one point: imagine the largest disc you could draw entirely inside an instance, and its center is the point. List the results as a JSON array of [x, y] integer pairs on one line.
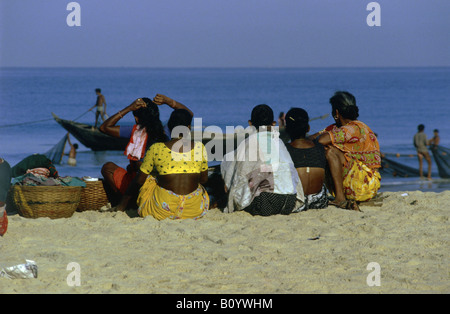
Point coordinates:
[[309, 159], [147, 130], [352, 152], [181, 167], [259, 175]]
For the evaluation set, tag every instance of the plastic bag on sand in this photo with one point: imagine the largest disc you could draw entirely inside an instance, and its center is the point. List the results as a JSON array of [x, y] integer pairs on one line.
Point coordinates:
[[22, 271]]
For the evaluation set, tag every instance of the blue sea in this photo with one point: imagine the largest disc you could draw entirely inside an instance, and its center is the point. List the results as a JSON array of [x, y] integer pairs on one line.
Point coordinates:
[[392, 101]]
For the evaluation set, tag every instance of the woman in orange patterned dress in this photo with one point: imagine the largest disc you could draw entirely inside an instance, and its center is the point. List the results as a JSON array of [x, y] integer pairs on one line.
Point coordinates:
[[353, 154]]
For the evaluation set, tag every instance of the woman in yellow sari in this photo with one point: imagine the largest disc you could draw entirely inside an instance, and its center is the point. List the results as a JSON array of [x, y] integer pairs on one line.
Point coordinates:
[[353, 154], [170, 179]]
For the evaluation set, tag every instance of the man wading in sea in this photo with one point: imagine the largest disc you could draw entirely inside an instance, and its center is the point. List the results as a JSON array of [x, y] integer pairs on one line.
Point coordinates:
[[72, 161]]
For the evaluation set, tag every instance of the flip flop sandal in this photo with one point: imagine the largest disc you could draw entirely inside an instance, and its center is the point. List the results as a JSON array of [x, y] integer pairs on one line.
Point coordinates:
[[353, 205], [347, 204], [343, 204]]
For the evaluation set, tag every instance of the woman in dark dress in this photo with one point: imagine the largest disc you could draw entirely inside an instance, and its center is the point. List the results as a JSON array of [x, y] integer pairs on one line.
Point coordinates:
[[309, 159]]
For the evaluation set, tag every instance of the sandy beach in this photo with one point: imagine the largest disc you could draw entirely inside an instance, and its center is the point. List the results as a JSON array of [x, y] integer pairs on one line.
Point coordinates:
[[318, 251]]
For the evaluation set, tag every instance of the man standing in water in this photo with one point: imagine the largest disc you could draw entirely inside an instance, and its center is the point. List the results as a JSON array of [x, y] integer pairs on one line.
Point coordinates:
[[101, 110], [420, 142], [72, 161], [434, 142]]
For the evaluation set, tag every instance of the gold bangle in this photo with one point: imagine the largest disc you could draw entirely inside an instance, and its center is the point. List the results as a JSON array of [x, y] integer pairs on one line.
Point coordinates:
[[120, 114]]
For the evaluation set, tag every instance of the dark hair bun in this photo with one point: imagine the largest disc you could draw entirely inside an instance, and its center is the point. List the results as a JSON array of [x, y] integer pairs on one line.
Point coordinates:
[[345, 104]]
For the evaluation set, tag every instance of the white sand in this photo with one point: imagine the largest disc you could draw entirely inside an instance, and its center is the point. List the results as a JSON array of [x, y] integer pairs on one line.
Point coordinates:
[[237, 253]]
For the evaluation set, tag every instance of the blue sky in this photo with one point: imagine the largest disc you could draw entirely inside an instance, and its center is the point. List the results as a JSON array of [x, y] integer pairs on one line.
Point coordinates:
[[224, 33]]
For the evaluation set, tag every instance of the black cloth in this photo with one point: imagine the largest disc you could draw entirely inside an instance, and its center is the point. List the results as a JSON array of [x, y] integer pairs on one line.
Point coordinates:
[[315, 201], [5, 180], [442, 158], [267, 204], [313, 157]]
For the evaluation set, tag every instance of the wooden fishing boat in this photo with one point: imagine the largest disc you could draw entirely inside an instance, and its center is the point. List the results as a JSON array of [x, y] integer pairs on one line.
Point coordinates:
[[97, 141], [94, 139], [91, 137]]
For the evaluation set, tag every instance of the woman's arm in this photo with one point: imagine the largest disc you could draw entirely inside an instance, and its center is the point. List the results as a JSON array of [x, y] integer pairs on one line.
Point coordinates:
[[162, 99], [325, 139], [315, 135], [68, 139], [109, 126]]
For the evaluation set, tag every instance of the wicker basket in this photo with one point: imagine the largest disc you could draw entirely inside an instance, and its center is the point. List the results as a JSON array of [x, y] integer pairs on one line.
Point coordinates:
[[46, 201], [93, 196]]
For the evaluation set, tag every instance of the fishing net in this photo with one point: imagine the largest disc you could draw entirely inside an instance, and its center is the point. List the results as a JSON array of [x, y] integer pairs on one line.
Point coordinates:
[[55, 154], [396, 169], [442, 158], [393, 168]]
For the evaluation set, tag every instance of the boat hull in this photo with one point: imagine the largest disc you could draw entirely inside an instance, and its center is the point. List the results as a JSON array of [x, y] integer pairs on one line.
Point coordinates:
[[91, 137], [97, 141]]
